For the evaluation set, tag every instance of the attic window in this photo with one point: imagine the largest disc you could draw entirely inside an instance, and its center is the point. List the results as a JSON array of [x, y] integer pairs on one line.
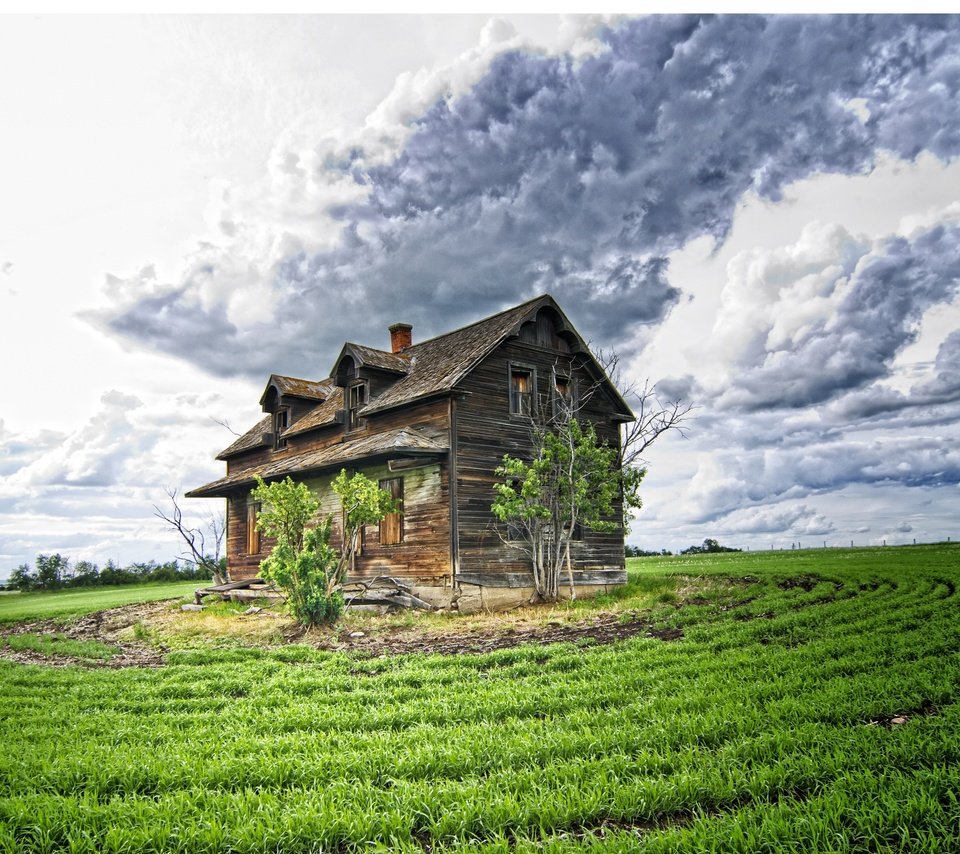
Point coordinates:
[[281, 419], [356, 399], [521, 390]]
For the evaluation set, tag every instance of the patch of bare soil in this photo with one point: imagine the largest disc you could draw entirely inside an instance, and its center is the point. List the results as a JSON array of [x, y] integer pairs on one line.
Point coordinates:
[[373, 641], [104, 626], [601, 629]]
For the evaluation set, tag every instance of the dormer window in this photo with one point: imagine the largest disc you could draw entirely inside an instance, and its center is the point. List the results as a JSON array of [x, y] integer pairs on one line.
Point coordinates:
[[356, 400], [281, 420]]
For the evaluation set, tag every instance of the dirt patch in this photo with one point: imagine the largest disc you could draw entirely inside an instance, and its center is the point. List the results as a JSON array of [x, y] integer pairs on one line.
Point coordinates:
[[113, 626], [601, 629], [104, 626], [924, 709], [804, 582]]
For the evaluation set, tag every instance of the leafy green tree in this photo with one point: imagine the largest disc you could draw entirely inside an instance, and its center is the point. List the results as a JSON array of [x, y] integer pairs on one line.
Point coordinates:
[[85, 574], [302, 562], [22, 578], [572, 480], [51, 571], [710, 546]]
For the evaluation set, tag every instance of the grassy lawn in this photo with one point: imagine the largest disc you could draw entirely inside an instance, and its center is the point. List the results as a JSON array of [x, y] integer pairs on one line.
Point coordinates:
[[809, 705], [70, 603]]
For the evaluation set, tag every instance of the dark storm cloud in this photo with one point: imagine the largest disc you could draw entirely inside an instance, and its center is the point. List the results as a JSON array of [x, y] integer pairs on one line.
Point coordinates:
[[755, 477], [579, 178], [937, 396], [855, 344]]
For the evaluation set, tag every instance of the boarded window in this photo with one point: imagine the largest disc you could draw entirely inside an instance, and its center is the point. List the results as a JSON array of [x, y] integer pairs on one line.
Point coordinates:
[[253, 535], [521, 391], [391, 526]]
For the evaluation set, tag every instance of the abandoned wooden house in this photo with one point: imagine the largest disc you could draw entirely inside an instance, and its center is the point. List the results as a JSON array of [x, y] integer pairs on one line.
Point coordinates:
[[431, 422]]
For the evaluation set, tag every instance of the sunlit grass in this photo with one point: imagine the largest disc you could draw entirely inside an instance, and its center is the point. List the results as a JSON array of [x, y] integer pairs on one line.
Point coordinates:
[[58, 644], [69, 603]]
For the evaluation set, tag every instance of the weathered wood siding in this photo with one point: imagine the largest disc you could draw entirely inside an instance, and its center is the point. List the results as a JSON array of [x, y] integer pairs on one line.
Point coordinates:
[[485, 432], [240, 565], [425, 552]]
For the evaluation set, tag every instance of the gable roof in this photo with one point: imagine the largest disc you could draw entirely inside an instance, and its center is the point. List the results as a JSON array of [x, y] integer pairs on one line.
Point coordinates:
[[438, 364], [432, 367], [370, 357], [257, 436], [296, 387], [319, 416]]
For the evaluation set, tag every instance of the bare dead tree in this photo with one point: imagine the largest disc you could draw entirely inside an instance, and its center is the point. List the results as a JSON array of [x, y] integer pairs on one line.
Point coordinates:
[[225, 423], [654, 417], [197, 539]]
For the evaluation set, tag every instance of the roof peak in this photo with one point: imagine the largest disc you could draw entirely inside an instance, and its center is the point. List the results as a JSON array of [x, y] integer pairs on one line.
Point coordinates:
[[487, 319]]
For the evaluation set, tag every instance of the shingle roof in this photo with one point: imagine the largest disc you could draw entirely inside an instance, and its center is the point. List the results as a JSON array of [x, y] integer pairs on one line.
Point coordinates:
[[256, 437], [440, 363], [402, 441], [309, 389], [319, 416], [431, 367], [398, 363]]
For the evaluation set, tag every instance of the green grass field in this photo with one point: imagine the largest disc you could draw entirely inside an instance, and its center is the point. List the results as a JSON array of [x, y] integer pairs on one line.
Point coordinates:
[[70, 603], [810, 706]]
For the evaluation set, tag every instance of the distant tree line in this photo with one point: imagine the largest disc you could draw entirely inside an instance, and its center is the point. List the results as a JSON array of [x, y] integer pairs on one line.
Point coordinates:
[[636, 551], [709, 547], [55, 572]]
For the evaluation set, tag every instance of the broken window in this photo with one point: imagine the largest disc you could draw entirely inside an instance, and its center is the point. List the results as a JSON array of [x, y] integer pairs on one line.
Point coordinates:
[[564, 394], [521, 391], [356, 399]]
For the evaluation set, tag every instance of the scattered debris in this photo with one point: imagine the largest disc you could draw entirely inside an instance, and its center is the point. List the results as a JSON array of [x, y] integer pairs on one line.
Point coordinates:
[[192, 607], [241, 591], [383, 590]]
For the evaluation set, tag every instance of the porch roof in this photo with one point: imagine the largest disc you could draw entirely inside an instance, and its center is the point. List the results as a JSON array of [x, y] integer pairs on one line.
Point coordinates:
[[402, 442]]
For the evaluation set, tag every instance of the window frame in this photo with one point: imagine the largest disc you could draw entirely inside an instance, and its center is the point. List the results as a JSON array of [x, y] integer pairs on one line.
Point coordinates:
[[556, 395], [352, 410], [516, 369], [281, 415]]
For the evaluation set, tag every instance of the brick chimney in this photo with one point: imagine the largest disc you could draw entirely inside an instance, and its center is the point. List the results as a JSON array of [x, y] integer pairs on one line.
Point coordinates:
[[401, 337]]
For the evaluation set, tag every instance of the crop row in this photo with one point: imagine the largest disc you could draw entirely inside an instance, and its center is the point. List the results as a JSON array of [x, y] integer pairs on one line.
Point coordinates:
[[801, 710]]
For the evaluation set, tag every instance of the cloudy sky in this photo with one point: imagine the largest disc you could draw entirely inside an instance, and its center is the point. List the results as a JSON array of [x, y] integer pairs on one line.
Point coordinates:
[[762, 214]]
